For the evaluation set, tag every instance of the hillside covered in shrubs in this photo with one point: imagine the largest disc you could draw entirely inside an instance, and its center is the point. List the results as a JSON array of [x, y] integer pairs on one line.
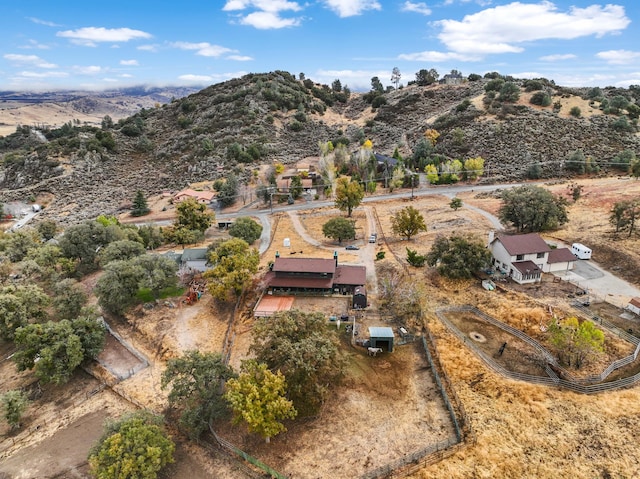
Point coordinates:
[[521, 128]]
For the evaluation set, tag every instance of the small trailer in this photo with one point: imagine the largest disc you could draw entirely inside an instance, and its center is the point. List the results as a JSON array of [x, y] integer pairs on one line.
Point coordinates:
[[581, 251]]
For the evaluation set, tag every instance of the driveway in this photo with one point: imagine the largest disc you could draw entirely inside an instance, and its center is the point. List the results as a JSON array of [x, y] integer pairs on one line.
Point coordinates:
[[599, 283]]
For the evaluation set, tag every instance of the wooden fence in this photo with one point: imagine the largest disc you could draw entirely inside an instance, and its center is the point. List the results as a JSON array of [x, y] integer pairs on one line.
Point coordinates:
[[573, 384]]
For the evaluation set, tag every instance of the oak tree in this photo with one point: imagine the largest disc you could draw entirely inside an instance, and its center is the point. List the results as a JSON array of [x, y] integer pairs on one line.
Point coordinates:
[[339, 229], [257, 397], [532, 209], [458, 256], [234, 263], [135, 446], [196, 380], [349, 195], [246, 228], [408, 222]]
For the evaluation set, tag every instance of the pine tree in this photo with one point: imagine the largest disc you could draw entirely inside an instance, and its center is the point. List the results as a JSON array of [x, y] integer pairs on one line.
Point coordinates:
[[140, 207]]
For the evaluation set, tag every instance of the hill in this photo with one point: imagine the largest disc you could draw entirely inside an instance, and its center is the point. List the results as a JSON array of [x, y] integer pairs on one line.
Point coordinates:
[[241, 124]]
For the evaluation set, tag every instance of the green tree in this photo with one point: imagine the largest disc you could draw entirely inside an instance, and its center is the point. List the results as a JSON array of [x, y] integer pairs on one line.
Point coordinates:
[[134, 447], [193, 215], [458, 256], [427, 77], [623, 160], [120, 250], [47, 229], [415, 259], [151, 235], [295, 188], [196, 380], [55, 349], [455, 203], [14, 403], [576, 341], [299, 345], [474, 167], [532, 209], [634, 168], [69, 298], [19, 243], [576, 161], [228, 191], [246, 229], [82, 242], [408, 222], [624, 215], [339, 229], [234, 263], [257, 397], [140, 207], [157, 273], [509, 92], [349, 195], [13, 315], [117, 287]]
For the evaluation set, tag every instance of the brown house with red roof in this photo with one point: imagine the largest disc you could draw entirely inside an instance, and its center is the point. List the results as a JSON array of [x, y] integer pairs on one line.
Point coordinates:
[[525, 257], [314, 276]]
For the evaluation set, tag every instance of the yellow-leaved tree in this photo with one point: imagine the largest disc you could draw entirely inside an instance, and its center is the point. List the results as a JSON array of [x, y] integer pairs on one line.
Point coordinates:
[[257, 397]]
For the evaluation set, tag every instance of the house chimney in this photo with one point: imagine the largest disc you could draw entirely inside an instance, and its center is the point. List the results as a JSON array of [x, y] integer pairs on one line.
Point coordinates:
[[335, 256], [492, 236]]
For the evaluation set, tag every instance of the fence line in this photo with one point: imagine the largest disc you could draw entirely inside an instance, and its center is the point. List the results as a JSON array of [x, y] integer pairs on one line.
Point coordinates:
[[411, 463], [553, 379]]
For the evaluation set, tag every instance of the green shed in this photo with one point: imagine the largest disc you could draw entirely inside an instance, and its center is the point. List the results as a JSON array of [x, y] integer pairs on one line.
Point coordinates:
[[381, 337]]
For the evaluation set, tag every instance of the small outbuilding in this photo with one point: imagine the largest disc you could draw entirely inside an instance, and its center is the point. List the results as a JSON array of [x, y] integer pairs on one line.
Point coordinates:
[[359, 297], [634, 306], [381, 337]]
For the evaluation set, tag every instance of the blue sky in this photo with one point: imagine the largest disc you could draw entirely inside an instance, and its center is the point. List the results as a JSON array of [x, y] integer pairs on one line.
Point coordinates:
[[100, 45]]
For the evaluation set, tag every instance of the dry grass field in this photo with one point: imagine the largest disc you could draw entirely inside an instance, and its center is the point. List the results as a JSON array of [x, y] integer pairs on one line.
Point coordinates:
[[521, 430]]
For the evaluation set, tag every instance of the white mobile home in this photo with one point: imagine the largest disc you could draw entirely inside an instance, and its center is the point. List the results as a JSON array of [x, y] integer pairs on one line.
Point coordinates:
[[581, 251]]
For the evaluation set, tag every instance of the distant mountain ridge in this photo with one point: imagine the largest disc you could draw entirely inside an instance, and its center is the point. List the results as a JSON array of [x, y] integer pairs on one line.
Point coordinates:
[[259, 119]]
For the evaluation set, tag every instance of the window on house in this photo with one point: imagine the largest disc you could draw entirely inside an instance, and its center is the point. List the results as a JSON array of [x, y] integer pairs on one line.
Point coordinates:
[[520, 257], [540, 255]]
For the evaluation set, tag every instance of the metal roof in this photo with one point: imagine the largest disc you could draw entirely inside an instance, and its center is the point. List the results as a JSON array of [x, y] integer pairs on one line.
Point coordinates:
[[305, 265], [380, 332]]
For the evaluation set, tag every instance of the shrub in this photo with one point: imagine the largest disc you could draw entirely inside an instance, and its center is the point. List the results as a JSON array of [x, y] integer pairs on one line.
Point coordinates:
[[541, 98], [575, 112]]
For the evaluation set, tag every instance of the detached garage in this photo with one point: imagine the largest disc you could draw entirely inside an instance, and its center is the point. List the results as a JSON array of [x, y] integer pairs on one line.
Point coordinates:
[[381, 337]]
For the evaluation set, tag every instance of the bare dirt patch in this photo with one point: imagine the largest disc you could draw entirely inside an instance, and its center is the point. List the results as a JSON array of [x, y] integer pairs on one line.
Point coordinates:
[[388, 408]]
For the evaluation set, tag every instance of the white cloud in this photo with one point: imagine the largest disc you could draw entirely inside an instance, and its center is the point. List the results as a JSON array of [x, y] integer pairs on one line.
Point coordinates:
[[503, 28], [88, 70], [195, 78], [433, 56], [88, 36], [28, 74], [239, 58], [268, 20], [558, 57], [204, 49], [217, 78], [34, 60], [619, 57], [420, 8], [148, 48], [43, 22], [126, 75], [129, 63], [527, 75], [264, 5], [356, 80], [266, 14], [33, 44], [350, 8]]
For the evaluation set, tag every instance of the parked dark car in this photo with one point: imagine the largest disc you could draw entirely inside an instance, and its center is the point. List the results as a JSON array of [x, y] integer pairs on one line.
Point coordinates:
[[352, 247]]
